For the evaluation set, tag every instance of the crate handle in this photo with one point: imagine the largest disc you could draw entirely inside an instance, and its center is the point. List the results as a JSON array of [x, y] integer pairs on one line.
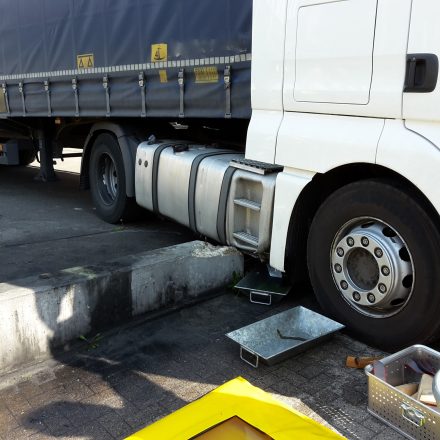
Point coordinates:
[[412, 415], [251, 354]]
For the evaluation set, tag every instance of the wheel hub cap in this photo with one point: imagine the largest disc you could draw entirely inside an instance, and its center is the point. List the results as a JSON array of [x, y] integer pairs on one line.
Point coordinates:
[[372, 267], [109, 179]]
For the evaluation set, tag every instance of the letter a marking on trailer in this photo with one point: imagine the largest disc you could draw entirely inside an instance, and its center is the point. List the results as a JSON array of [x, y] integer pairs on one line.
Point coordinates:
[[85, 61]]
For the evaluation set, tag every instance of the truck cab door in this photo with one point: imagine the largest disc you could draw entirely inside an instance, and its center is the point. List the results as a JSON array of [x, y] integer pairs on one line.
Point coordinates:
[[421, 98], [328, 71], [346, 57], [332, 58]]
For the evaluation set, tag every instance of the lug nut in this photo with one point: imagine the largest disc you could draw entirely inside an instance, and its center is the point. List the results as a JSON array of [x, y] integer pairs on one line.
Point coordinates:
[[338, 268], [344, 285], [365, 242], [378, 252], [382, 288], [356, 296], [146, 164], [371, 298], [385, 270], [350, 241], [140, 161], [340, 252]]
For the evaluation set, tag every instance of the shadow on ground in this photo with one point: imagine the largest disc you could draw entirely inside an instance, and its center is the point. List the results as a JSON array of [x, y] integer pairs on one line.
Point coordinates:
[[139, 374]]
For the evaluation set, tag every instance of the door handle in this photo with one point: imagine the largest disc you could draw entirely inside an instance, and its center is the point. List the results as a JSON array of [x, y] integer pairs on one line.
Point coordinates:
[[421, 73]]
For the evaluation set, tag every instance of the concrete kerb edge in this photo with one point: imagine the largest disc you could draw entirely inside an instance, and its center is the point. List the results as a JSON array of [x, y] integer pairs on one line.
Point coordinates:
[[38, 315]]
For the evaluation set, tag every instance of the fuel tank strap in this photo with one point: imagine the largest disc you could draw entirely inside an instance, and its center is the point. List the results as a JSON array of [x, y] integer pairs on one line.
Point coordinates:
[[155, 173], [193, 185], [223, 199]]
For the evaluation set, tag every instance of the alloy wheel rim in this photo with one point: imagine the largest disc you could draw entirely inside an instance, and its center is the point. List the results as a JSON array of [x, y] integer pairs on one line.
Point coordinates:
[[108, 179], [372, 267]]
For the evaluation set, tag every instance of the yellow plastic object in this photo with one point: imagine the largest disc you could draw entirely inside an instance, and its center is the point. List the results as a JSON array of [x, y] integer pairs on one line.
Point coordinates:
[[236, 399], [234, 428]]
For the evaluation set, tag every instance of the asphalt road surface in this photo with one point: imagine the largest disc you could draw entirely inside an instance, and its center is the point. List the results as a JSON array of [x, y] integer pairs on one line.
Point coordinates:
[[46, 227]]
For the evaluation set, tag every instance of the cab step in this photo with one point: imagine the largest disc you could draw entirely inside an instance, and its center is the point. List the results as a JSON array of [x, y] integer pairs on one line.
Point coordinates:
[[246, 238], [249, 204], [256, 167]]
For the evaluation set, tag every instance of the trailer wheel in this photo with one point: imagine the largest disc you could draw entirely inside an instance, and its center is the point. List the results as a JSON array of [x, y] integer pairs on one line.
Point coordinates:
[[373, 258], [107, 180], [26, 157]]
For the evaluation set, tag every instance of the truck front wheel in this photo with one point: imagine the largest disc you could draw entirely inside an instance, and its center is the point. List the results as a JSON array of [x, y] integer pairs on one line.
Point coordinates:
[[373, 258], [107, 180]]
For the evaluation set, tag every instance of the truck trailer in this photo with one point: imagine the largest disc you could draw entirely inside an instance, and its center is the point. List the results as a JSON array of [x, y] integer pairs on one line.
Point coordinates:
[[303, 132]]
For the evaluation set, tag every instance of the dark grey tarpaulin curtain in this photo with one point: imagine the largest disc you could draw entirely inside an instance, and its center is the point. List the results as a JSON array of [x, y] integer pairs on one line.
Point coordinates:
[[41, 40]]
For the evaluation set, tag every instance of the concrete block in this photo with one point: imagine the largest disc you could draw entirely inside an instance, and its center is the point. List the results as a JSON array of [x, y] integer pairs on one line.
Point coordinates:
[[42, 313]]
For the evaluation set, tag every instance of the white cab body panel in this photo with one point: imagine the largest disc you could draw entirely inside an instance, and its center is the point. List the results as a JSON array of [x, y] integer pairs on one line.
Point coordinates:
[[388, 61], [424, 38], [319, 143], [310, 144], [429, 130], [412, 156], [289, 185], [262, 135], [269, 25]]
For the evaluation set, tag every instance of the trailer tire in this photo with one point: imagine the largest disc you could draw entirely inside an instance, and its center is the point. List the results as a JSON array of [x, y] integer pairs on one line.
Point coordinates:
[[26, 157], [107, 181], [373, 259]]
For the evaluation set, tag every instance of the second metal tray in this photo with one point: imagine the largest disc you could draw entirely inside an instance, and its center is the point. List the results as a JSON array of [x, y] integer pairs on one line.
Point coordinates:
[[283, 335]]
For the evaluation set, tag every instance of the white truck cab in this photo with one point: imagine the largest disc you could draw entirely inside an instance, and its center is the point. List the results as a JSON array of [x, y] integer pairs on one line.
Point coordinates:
[[345, 98]]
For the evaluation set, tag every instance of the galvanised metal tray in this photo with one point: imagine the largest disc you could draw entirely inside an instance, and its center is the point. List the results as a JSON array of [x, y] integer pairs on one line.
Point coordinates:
[[283, 335]]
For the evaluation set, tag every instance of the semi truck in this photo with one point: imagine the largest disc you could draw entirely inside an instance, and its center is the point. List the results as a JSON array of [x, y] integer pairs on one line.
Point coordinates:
[[303, 132]]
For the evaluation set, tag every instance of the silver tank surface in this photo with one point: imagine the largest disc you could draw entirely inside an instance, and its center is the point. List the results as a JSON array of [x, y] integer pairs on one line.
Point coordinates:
[[209, 183], [162, 178]]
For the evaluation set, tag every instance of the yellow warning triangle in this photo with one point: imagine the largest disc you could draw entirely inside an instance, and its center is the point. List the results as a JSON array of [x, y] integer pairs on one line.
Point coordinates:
[[81, 64], [89, 62]]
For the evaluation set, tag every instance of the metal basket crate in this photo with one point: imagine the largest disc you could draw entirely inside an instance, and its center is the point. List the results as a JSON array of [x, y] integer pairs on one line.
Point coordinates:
[[406, 415]]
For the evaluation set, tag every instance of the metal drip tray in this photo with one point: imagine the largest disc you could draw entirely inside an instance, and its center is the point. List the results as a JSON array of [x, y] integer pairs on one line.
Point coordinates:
[[281, 336], [262, 287]]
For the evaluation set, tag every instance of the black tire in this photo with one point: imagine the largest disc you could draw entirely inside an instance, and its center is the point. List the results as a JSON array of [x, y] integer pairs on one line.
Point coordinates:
[[416, 320], [107, 181], [26, 157]]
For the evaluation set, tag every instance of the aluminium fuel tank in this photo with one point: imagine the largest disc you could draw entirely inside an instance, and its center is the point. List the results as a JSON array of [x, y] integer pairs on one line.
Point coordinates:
[[184, 182]]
